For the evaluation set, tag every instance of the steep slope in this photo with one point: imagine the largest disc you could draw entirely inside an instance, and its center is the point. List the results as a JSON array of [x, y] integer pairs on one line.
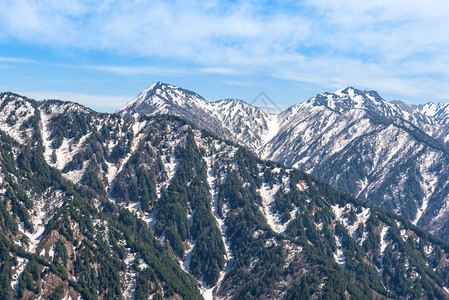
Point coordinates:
[[58, 240], [430, 117], [437, 117], [167, 201], [232, 119], [360, 144], [363, 145], [163, 98], [392, 154], [249, 125], [439, 112]]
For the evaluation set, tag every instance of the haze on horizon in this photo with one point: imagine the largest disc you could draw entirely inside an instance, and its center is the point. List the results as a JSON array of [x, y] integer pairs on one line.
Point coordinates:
[[103, 53]]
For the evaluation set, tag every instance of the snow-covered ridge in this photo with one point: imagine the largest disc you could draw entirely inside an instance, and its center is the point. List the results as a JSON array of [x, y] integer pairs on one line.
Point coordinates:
[[306, 135], [231, 118], [248, 124], [159, 139], [439, 111], [310, 135]]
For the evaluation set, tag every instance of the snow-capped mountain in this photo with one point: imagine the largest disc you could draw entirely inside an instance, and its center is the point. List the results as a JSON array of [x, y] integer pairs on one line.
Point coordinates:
[[163, 98], [230, 118], [392, 154], [100, 206], [248, 124], [439, 111], [436, 120], [369, 151], [350, 98]]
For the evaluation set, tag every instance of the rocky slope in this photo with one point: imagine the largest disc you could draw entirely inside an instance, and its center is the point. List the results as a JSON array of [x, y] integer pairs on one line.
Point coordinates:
[[391, 154], [371, 149], [100, 206], [232, 119]]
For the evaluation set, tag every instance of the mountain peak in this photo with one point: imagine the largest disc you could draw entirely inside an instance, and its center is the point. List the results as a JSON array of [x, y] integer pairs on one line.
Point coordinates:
[[161, 86], [347, 91], [162, 97], [351, 98], [352, 92]]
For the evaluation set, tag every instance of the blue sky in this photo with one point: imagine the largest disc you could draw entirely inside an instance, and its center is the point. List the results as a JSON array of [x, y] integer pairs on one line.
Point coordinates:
[[103, 53]]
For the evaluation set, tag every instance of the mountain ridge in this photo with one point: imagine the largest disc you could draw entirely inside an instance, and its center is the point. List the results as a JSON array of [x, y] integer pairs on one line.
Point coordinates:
[[162, 208], [329, 129]]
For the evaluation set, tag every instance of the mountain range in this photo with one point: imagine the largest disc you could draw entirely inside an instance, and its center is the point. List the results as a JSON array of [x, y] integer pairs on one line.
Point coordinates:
[[137, 206], [393, 155]]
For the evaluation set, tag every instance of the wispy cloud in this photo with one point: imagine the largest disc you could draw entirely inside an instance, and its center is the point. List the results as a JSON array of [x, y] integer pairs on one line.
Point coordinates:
[[129, 69], [138, 70], [243, 83], [338, 73], [17, 60], [208, 34], [220, 71], [396, 46]]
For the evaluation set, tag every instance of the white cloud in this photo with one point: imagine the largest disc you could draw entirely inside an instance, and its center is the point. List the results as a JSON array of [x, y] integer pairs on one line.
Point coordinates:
[[205, 34], [220, 71], [138, 70], [243, 83], [338, 73], [392, 29], [17, 60], [399, 46]]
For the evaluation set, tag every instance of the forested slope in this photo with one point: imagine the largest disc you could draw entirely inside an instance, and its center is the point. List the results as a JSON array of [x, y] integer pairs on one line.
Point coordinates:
[[99, 206]]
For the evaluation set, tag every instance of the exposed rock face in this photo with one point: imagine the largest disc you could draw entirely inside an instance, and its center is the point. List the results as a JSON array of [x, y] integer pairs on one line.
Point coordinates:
[[391, 154]]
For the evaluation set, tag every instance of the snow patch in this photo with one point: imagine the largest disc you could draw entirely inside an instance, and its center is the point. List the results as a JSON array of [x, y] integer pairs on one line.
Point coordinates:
[[446, 290], [142, 264], [185, 265], [38, 216], [339, 255], [361, 217], [292, 251], [170, 164], [17, 271], [302, 186], [59, 158], [383, 246], [207, 291], [267, 193], [128, 284], [51, 251], [273, 125], [428, 183]]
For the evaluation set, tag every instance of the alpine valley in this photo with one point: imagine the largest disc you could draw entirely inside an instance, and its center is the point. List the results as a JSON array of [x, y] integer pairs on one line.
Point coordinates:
[[144, 205]]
